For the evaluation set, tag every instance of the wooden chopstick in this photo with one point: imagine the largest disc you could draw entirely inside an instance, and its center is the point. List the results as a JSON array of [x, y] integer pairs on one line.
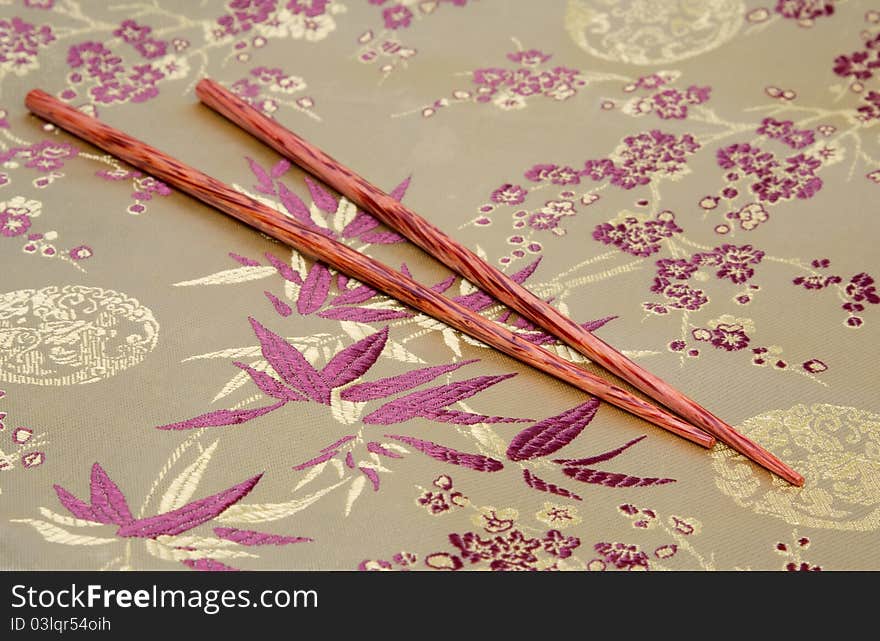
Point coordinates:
[[462, 260], [347, 260]]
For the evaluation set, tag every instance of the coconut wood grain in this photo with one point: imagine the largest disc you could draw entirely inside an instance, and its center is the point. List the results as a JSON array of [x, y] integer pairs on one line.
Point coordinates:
[[349, 261], [462, 260]]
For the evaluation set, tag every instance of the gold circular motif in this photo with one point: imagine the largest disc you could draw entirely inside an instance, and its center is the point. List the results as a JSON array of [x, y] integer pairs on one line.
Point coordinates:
[[65, 335], [836, 448], [652, 32]]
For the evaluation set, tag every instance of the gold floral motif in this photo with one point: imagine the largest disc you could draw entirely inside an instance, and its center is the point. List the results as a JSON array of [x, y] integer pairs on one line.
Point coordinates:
[[64, 335], [836, 448], [645, 32]]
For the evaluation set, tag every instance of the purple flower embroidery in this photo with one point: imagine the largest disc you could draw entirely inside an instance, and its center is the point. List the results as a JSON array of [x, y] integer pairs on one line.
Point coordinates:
[[559, 545], [397, 16], [244, 14], [131, 32], [734, 262], [681, 295], [19, 44], [636, 237], [530, 58], [675, 269], [47, 155], [599, 169], [729, 337], [858, 65], [804, 9], [151, 48], [622, 555], [12, 224], [309, 8], [861, 288], [509, 194], [554, 174], [111, 92]]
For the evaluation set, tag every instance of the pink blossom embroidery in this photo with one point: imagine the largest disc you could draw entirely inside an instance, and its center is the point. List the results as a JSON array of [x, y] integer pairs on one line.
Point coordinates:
[[638, 237], [20, 43]]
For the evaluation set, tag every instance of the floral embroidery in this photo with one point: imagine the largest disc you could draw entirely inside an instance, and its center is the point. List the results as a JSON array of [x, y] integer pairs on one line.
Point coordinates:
[[511, 88], [666, 102], [383, 45], [278, 84], [856, 293], [20, 45], [804, 11], [442, 498], [792, 552], [637, 237], [27, 448]]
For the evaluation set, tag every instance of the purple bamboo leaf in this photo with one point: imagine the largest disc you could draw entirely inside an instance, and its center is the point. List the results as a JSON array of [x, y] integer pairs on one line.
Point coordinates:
[[468, 418], [208, 565], [479, 300], [522, 275], [543, 486], [252, 537], [363, 314], [599, 458], [443, 285], [382, 237], [476, 462], [291, 365], [269, 384], [383, 387], [433, 398], [314, 290], [360, 224], [371, 474], [108, 502], [295, 206], [221, 417], [475, 301], [264, 181], [405, 270], [190, 515], [349, 460], [376, 448], [596, 324], [339, 443], [612, 479], [287, 272], [326, 456], [355, 360], [76, 507], [354, 296], [321, 197], [553, 433], [279, 168], [244, 260], [284, 310], [542, 338], [400, 191]]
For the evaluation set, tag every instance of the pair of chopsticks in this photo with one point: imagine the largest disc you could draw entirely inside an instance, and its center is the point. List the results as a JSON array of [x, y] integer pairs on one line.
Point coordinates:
[[700, 426]]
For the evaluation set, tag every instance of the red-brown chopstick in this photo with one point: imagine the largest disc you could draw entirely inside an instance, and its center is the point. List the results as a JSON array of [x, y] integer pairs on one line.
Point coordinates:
[[347, 260], [462, 260]]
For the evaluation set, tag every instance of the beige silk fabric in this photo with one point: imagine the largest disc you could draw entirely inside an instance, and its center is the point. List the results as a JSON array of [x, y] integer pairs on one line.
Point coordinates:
[[698, 181]]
